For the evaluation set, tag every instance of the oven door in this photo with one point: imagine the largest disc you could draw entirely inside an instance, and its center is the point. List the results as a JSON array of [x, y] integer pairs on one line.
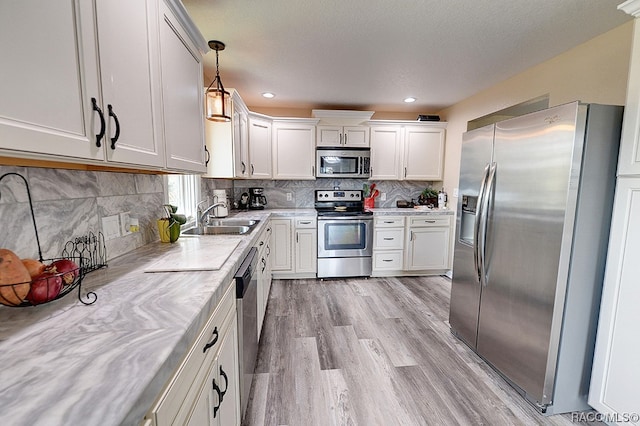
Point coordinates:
[[345, 237]]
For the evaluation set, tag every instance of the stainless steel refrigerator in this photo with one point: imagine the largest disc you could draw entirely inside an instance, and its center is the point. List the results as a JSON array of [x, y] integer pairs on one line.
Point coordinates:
[[534, 208]]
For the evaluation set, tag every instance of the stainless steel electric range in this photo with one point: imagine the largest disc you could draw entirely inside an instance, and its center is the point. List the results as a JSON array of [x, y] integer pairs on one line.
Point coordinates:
[[345, 234]]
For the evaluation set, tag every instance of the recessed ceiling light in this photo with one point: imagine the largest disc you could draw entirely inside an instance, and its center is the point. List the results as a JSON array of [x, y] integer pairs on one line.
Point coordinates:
[[409, 99], [268, 95]]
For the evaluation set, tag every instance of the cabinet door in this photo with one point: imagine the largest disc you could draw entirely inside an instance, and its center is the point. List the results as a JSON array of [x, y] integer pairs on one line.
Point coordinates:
[[386, 145], [427, 248], [182, 97], [329, 136], [423, 153], [306, 250], [259, 148], [127, 36], [293, 151], [241, 144], [629, 159], [45, 106], [356, 136], [229, 378], [281, 239], [615, 381]]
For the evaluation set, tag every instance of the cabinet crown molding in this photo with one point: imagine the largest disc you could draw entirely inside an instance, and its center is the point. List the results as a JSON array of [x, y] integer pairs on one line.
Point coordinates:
[[631, 7], [342, 117]]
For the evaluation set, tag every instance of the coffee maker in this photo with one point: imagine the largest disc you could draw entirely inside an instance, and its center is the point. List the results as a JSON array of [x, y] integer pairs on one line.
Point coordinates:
[[257, 200]]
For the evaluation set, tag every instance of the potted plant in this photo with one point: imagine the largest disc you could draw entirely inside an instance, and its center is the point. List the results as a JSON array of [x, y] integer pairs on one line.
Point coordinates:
[[428, 197], [169, 225]]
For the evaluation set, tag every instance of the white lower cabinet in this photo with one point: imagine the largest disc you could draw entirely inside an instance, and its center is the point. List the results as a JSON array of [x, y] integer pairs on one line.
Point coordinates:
[[615, 380], [216, 404], [204, 390], [411, 245], [306, 246], [428, 243], [388, 245], [264, 273], [295, 245]]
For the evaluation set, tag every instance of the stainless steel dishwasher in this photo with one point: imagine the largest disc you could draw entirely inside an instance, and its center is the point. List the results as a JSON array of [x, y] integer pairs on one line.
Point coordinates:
[[247, 311]]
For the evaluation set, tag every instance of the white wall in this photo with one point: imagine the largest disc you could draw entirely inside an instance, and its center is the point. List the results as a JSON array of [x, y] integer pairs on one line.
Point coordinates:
[[594, 72]]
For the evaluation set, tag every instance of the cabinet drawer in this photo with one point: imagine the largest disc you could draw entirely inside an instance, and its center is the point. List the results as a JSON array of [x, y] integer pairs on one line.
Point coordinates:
[[422, 221], [389, 221], [306, 222], [388, 238], [263, 239], [387, 260], [203, 350]]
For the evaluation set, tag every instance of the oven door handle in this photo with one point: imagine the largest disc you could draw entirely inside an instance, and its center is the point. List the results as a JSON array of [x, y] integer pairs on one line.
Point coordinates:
[[350, 218]]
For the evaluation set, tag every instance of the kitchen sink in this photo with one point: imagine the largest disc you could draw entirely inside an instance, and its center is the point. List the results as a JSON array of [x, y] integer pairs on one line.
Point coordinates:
[[233, 222], [224, 227]]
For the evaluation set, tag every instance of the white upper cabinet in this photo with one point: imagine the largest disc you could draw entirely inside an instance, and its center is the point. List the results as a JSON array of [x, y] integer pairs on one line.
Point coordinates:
[[48, 79], [259, 147], [343, 137], [423, 153], [228, 143], [293, 149], [386, 152], [629, 159], [96, 94], [182, 100], [401, 151], [130, 81]]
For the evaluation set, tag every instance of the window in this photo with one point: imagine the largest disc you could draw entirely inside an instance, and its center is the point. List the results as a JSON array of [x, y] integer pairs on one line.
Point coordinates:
[[184, 191]]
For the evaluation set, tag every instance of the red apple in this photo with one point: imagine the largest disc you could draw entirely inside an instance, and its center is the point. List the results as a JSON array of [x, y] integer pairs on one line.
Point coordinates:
[[67, 269], [44, 287]]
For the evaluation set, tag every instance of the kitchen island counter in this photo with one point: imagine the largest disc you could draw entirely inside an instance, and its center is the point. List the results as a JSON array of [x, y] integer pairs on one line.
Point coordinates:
[[106, 363]]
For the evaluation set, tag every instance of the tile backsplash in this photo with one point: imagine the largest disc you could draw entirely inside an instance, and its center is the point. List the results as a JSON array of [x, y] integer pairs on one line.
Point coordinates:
[[70, 203], [302, 191]]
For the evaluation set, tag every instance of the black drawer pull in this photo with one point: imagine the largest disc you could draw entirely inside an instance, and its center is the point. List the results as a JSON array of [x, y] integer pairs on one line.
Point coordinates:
[[387, 260], [213, 341], [389, 239], [226, 384], [115, 137], [217, 389], [103, 125]]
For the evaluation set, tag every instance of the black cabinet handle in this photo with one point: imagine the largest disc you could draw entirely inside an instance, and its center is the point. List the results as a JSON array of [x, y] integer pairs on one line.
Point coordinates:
[[115, 137], [217, 389], [388, 239], [206, 162], [261, 243], [264, 264], [268, 250], [252, 170], [212, 342], [103, 125], [226, 384], [387, 260], [244, 167]]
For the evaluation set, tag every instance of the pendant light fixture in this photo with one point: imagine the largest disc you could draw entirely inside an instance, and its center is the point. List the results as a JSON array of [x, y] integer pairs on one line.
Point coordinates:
[[218, 100]]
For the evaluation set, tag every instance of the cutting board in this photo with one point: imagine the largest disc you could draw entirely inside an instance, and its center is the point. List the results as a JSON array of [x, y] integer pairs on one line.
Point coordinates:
[[195, 254]]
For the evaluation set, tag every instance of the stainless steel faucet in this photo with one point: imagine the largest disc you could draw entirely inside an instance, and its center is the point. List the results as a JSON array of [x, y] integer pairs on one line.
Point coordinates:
[[204, 215]]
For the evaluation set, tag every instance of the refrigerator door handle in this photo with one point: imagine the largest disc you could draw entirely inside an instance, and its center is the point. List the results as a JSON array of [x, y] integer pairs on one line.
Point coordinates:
[[483, 233], [478, 221]]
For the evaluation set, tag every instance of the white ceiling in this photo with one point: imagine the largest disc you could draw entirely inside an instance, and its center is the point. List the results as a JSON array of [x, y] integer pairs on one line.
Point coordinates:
[[371, 54]]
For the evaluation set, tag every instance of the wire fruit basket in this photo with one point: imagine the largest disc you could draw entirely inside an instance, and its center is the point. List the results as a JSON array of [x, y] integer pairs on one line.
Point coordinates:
[[45, 280]]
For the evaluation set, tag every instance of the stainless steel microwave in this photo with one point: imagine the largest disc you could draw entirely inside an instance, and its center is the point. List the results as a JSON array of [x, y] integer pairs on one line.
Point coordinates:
[[342, 163]]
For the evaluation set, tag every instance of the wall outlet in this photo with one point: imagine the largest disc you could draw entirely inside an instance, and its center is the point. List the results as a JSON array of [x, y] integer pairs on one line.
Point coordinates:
[[111, 227], [383, 196], [125, 223], [289, 196]]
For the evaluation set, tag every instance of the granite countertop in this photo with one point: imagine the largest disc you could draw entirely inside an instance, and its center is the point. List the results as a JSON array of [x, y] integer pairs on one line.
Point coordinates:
[[67, 363], [394, 211]]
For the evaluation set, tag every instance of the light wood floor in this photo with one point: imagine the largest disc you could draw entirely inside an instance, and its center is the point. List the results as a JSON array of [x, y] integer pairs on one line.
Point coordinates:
[[374, 352]]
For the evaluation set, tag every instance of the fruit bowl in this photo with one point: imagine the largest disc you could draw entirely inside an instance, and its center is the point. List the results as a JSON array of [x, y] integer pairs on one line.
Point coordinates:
[[58, 277]]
